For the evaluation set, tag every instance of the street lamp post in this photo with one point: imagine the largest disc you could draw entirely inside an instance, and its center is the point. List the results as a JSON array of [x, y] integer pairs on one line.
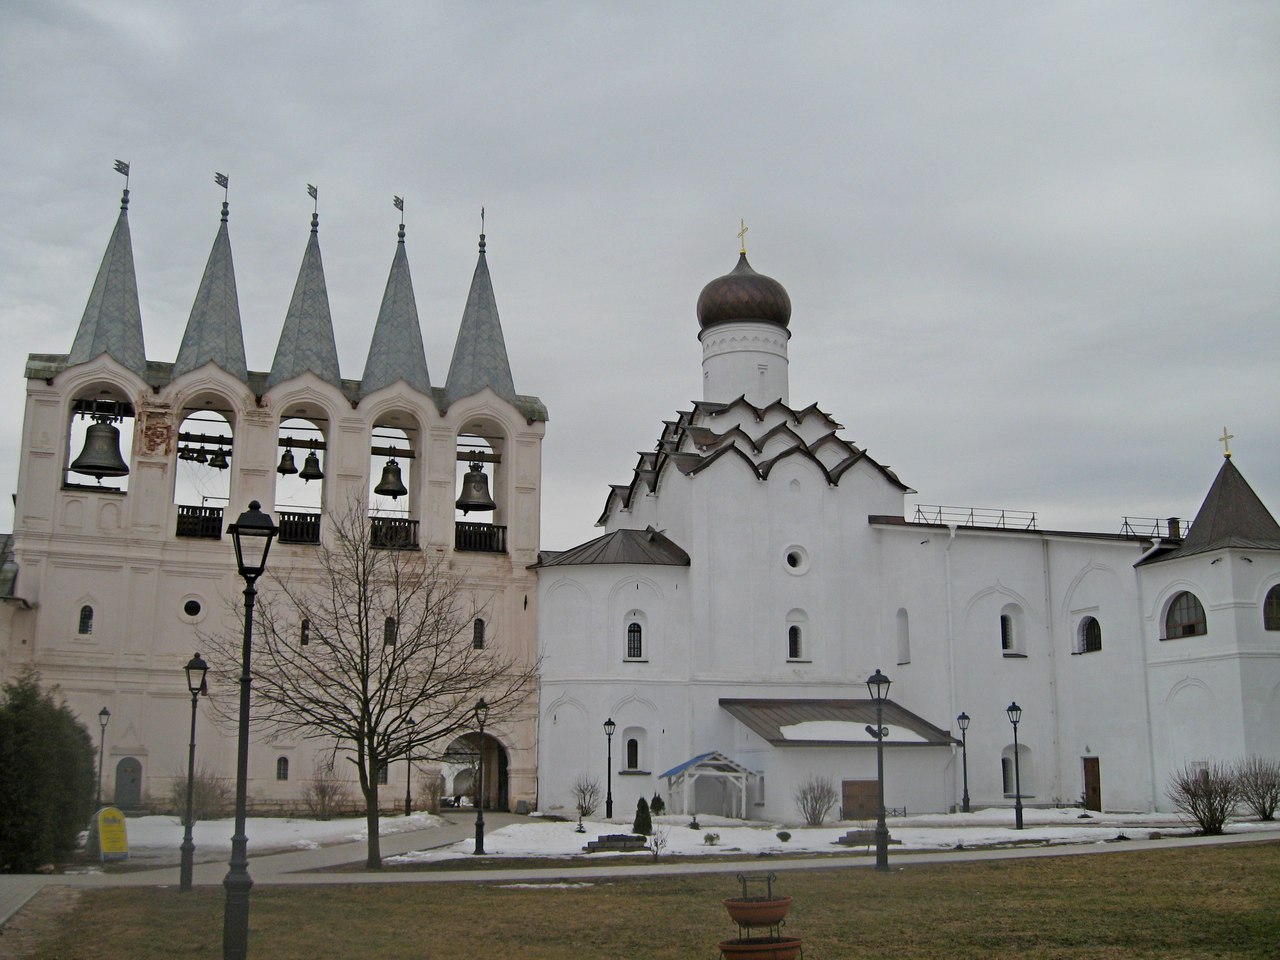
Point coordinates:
[[252, 534], [482, 714], [408, 782], [1015, 714], [609, 727], [104, 715], [962, 722], [878, 686], [195, 669]]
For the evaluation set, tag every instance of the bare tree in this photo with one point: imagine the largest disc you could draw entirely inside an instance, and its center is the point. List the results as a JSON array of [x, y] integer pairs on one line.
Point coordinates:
[[389, 668], [1259, 781], [586, 794], [815, 798], [1206, 796]]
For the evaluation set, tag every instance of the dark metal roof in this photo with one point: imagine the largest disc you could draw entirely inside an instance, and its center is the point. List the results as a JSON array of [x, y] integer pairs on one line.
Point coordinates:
[[213, 333], [1231, 516], [112, 321], [622, 546], [480, 352], [743, 294], [395, 351], [306, 342], [801, 723]]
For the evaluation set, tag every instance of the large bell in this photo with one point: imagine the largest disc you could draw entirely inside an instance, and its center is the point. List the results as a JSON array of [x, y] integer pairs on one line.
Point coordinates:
[[311, 468], [219, 460], [287, 466], [391, 485], [475, 491], [101, 454]]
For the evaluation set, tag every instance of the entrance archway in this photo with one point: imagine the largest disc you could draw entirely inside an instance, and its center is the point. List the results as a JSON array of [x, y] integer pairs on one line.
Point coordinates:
[[128, 794], [461, 763]]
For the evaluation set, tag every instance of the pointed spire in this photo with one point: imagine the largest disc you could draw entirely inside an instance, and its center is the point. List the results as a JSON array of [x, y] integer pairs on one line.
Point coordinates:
[[213, 331], [112, 321], [1232, 515], [306, 342], [396, 351], [480, 353]]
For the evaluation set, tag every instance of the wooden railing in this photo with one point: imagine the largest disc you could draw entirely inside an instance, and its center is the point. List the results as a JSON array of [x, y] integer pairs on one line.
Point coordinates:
[[479, 537], [203, 522], [393, 533], [299, 527]]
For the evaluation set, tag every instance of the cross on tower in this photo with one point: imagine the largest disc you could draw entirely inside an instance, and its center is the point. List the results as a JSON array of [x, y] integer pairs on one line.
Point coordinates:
[[1226, 439], [742, 236]]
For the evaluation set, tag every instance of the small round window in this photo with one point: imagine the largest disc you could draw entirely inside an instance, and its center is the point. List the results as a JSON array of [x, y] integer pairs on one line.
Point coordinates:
[[795, 560], [192, 608]]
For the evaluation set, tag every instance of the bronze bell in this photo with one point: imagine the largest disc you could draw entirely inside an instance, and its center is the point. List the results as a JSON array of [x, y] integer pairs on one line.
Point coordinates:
[[101, 454], [391, 485], [475, 491], [201, 456], [219, 460], [287, 465], [311, 468]]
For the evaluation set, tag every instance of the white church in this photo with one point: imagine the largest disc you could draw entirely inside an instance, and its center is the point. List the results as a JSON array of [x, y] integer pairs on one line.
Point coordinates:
[[758, 567]]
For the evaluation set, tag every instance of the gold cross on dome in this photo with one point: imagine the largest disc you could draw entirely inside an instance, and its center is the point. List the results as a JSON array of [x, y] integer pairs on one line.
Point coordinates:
[[1226, 439], [742, 236]]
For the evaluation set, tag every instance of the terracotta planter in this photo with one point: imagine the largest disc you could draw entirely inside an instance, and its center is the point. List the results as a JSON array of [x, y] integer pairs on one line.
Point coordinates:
[[761, 948], [757, 911]]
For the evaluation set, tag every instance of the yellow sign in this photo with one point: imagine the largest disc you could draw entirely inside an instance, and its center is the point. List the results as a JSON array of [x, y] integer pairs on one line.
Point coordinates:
[[113, 838]]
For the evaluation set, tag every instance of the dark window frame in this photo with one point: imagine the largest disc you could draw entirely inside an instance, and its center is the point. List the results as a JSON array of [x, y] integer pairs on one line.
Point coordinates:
[[635, 641], [1185, 617], [85, 628], [1090, 635], [1271, 609]]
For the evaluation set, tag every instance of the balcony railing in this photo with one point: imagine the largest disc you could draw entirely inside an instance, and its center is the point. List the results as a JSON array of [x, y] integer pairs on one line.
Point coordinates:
[[203, 522], [393, 533], [479, 537], [299, 527]]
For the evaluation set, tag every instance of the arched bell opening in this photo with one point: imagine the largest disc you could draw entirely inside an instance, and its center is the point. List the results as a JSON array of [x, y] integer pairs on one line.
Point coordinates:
[[480, 509], [300, 473], [460, 767], [99, 440], [202, 471], [393, 482]]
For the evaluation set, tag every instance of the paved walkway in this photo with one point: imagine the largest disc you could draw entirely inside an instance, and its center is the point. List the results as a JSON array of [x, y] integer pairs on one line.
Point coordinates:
[[316, 866]]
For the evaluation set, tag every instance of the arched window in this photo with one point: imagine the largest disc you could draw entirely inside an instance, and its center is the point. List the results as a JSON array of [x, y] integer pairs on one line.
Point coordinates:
[[282, 768], [477, 634], [1006, 775], [633, 754], [1012, 641], [86, 621], [1271, 609], [1089, 637], [635, 641], [382, 774], [1006, 632], [904, 637], [794, 648], [389, 632], [305, 632], [1185, 618]]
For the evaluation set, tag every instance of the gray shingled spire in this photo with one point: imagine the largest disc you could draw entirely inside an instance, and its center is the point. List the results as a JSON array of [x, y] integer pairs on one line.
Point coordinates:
[[213, 331], [480, 354], [306, 342], [396, 351], [112, 321]]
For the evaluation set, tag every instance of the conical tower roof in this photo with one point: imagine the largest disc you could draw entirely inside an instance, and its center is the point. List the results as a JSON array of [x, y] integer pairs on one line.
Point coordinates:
[[213, 331], [112, 321], [480, 353], [396, 352], [1232, 515], [306, 342]]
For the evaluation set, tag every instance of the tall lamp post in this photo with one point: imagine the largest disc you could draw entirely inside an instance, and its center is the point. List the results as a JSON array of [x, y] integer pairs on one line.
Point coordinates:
[[878, 686], [962, 722], [195, 669], [1015, 714], [252, 534], [482, 714], [408, 782], [104, 715], [609, 727]]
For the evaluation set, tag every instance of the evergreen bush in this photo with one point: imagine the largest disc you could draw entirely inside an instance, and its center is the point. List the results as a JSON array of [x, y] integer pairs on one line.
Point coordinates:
[[643, 823], [656, 805]]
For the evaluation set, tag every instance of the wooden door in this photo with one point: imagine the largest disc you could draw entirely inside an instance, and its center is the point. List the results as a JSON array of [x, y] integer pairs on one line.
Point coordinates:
[[859, 800], [128, 794], [1092, 784]]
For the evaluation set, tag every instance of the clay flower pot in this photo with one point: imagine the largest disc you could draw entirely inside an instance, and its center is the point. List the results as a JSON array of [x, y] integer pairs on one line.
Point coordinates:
[[757, 911], [760, 948]]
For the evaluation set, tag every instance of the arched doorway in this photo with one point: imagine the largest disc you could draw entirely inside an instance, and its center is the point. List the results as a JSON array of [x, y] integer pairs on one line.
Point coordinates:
[[461, 763], [128, 794]]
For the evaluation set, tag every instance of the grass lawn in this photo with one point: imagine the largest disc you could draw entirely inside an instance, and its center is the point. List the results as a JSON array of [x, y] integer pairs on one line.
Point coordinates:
[[1199, 902]]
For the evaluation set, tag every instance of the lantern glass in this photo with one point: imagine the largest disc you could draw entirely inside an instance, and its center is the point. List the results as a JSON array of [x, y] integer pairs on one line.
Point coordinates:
[[962, 721], [878, 686], [196, 669], [252, 535], [1015, 713], [609, 727]]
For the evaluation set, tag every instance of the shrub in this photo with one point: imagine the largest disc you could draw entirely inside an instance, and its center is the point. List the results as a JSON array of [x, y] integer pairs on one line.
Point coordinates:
[[657, 842], [710, 839], [1205, 796], [431, 787], [784, 835], [815, 798], [325, 793], [47, 776], [656, 806], [586, 794], [1259, 782], [643, 824], [211, 796]]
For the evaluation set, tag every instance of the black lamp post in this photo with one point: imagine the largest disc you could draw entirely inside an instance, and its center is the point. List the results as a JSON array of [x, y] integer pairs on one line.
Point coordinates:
[[1015, 714], [878, 685], [408, 781], [252, 534], [609, 727], [962, 722], [196, 669], [482, 714], [104, 715]]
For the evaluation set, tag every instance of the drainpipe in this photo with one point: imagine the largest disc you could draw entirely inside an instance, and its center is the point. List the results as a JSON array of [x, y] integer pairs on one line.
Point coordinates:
[[951, 641], [1146, 674]]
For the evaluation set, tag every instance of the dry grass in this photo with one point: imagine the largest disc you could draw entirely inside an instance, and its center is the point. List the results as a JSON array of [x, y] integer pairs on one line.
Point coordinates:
[[1200, 902]]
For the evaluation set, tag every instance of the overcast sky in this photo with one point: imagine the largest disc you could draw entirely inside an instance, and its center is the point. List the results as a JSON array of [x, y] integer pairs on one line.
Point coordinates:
[[1031, 248]]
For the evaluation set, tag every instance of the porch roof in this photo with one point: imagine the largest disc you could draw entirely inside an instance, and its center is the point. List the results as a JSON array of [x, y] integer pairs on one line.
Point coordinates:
[[792, 722]]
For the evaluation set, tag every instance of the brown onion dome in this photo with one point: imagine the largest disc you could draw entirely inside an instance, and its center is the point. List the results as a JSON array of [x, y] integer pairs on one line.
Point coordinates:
[[743, 294]]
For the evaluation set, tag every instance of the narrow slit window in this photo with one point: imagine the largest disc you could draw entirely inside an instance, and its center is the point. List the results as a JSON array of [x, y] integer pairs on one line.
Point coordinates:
[[793, 642], [389, 632], [282, 768], [635, 641], [477, 634], [86, 621]]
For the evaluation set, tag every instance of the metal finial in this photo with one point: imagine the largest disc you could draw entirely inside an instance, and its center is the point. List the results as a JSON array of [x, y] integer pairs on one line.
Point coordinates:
[[398, 202], [1226, 439], [742, 236], [482, 229], [122, 167], [222, 180], [314, 194], [315, 222]]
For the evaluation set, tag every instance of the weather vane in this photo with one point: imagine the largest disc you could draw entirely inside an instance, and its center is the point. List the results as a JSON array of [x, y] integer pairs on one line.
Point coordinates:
[[742, 236], [222, 180], [122, 167], [1226, 439], [398, 203], [314, 194]]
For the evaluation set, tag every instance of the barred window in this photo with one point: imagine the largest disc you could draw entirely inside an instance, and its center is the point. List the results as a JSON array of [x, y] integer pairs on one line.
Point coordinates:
[[1185, 618], [635, 642], [1090, 635]]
